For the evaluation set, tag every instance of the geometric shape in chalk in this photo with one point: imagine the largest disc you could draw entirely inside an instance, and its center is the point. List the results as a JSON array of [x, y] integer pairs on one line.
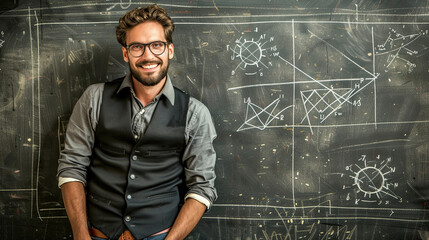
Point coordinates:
[[370, 180], [250, 53], [324, 101], [260, 118]]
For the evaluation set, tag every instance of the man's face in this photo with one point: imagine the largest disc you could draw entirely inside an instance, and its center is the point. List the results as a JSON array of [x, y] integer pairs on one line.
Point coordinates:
[[149, 69]]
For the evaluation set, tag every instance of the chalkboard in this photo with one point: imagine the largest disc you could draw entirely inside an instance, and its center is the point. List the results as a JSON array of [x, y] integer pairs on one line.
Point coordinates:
[[321, 110]]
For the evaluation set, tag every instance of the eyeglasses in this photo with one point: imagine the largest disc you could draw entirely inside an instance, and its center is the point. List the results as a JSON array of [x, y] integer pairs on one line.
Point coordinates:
[[138, 49]]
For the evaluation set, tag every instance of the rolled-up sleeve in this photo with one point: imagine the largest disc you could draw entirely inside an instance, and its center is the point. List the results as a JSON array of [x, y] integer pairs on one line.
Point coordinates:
[[199, 157], [79, 140]]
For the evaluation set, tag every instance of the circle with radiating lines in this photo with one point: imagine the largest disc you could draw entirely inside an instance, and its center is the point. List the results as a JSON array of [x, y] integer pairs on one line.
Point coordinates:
[[374, 181], [250, 53], [254, 55], [370, 180]]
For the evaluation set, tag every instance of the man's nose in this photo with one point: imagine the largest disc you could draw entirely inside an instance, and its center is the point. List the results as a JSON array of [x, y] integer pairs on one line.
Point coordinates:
[[147, 53]]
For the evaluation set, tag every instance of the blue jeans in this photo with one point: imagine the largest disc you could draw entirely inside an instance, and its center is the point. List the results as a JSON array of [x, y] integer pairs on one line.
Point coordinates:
[[97, 238], [161, 236], [156, 237]]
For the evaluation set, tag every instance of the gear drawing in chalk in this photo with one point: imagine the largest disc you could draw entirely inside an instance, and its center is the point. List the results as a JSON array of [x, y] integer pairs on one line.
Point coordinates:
[[372, 182], [253, 55]]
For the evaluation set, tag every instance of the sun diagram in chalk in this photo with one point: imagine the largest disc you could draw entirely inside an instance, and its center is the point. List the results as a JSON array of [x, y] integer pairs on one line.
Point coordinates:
[[252, 54], [372, 181]]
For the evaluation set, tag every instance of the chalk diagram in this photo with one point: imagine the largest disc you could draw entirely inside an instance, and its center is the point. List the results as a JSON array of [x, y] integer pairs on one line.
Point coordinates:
[[324, 102], [397, 47], [252, 55], [320, 103], [372, 182], [260, 118]]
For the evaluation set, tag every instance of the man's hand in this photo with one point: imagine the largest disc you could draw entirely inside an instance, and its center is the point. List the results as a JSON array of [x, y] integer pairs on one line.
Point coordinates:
[[188, 218]]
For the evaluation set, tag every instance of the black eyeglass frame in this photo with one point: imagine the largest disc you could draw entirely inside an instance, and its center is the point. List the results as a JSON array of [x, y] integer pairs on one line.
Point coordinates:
[[147, 45]]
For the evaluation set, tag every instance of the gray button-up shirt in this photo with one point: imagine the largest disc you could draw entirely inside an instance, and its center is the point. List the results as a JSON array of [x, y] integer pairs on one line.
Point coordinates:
[[198, 159]]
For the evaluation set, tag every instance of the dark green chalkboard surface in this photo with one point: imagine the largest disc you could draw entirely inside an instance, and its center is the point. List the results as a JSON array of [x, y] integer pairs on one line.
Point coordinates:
[[321, 110]]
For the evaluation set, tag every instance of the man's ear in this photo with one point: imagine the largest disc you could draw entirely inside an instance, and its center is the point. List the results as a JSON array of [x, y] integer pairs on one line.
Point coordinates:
[[170, 51], [125, 54]]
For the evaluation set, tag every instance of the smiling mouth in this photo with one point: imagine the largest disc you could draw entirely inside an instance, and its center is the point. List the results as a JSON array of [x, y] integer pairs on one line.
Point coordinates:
[[149, 66]]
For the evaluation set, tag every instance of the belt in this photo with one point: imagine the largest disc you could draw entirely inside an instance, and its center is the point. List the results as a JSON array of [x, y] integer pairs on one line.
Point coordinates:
[[126, 235]]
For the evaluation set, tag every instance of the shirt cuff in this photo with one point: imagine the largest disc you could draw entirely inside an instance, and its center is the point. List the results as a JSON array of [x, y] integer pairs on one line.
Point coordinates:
[[62, 180], [199, 198]]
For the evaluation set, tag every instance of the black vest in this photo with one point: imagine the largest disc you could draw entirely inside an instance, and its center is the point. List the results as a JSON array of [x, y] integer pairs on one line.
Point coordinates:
[[136, 185]]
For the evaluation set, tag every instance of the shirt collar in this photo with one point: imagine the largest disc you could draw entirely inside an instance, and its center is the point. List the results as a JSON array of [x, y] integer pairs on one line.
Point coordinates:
[[167, 91]]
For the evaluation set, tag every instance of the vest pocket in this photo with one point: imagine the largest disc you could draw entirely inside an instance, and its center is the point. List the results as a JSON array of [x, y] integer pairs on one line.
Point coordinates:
[[114, 151], [162, 195], [93, 198], [161, 153]]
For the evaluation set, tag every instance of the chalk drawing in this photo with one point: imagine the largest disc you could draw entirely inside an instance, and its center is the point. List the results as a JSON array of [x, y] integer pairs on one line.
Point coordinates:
[[320, 103], [372, 181], [124, 4], [260, 118], [398, 48], [252, 55]]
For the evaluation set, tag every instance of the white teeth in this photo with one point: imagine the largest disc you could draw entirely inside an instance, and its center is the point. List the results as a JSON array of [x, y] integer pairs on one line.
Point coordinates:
[[150, 66]]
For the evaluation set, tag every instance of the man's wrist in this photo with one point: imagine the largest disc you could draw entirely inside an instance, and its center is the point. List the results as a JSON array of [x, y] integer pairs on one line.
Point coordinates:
[[199, 198]]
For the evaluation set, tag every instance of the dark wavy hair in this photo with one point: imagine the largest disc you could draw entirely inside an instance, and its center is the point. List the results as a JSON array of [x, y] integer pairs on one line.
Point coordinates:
[[142, 14]]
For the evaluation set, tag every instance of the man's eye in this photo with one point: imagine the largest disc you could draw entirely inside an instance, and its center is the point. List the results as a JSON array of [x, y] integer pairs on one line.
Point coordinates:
[[156, 45], [136, 47]]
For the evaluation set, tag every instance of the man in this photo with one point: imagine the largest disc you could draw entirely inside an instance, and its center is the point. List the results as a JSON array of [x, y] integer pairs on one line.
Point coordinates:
[[137, 148]]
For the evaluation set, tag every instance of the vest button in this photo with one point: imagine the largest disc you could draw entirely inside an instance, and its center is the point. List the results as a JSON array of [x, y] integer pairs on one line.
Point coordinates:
[[132, 176], [134, 157], [127, 218], [128, 197]]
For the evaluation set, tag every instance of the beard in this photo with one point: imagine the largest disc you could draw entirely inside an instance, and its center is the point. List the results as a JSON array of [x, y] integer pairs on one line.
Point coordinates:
[[154, 78]]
